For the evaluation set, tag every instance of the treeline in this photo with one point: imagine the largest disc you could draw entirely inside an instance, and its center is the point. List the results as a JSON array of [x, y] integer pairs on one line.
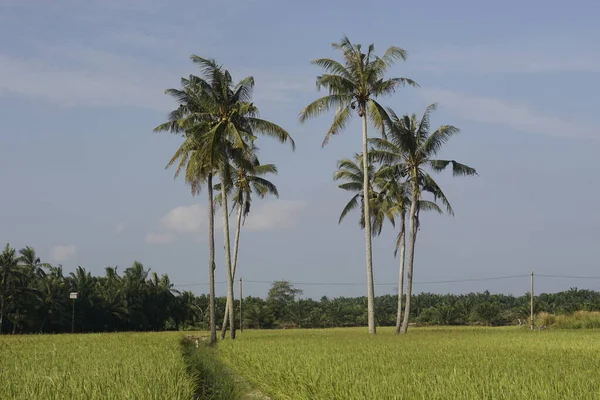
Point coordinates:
[[35, 299]]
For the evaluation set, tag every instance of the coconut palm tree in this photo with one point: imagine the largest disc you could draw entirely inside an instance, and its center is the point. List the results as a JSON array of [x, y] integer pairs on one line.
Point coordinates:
[[354, 84], [410, 147], [190, 158], [247, 178], [218, 118], [397, 192]]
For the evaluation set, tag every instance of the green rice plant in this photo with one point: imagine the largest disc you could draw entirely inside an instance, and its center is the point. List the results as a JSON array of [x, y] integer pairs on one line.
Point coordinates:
[[429, 363], [130, 366]]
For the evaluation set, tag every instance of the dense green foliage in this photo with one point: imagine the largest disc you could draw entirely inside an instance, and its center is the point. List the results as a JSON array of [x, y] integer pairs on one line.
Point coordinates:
[[36, 299], [135, 366], [431, 363]]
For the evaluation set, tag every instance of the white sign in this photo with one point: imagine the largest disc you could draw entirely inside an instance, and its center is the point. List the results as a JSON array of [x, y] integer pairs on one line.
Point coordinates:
[[73, 295]]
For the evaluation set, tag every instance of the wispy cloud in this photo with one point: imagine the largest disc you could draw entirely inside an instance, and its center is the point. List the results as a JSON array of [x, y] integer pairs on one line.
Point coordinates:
[[160, 238], [73, 76], [275, 214], [192, 221], [120, 228], [528, 56], [185, 219], [509, 114], [62, 253]]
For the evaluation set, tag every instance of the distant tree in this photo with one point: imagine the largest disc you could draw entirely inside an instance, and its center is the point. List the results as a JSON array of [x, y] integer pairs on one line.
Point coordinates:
[[10, 272], [280, 299], [488, 313]]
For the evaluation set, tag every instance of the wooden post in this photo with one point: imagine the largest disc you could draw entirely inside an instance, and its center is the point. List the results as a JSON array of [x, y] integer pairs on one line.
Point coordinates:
[[241, 317], [531, 304]]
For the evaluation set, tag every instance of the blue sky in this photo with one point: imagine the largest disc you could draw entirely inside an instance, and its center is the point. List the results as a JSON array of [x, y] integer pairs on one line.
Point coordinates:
[[83, 178]]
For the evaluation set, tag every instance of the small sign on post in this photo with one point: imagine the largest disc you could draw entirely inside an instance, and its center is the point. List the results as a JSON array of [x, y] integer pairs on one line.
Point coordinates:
[[73, 295]]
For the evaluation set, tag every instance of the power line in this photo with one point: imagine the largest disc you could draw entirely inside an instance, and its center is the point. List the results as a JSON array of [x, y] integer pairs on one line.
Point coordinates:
[[198, 284], [377, 284], [567, 276]]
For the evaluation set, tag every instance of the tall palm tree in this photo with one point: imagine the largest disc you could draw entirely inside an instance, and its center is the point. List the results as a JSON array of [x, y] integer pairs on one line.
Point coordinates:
[[354, 84], [247, 178], [411, 147], [221, 121], [397, 192], [188, 119]]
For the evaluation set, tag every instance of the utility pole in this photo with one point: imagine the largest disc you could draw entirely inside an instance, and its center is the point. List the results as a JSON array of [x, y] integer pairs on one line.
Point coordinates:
[[73, 296], [531, 304], [241, 315]]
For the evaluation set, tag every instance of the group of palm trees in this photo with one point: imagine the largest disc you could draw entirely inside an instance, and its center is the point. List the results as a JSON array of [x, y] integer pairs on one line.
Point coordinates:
[[220, 124]]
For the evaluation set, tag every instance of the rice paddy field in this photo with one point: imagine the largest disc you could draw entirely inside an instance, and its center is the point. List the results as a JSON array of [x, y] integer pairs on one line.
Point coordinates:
[[94, 366], [428, 363]]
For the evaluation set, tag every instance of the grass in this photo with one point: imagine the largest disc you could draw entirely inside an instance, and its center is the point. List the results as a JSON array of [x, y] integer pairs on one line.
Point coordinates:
[[212, 379], [577, 320], [147, 366], [428, 363]]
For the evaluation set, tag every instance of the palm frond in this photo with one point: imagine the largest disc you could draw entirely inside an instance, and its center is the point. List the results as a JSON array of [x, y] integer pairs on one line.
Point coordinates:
[[323, 105], [340, 121], [434, 143], [332, 67], [270, 129], [458, 169], [352, 186], [425, 205], [351, 205], [431, 186], [378, 116], [336, 84], [392, 54]]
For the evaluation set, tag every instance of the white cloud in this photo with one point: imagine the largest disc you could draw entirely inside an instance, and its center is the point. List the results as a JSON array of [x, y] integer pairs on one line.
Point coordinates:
[[120, 228], [185, 219], [63, 252], [191, 221], [513, 115], [276, 214], [160, 238]]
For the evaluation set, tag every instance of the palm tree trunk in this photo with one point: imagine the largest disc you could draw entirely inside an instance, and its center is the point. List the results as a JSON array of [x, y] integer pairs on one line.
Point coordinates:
[[227, 250], [367, 219], [401, 272], [43, 322], [15, 323], [236, 244], [411, 256], [211, 262]]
